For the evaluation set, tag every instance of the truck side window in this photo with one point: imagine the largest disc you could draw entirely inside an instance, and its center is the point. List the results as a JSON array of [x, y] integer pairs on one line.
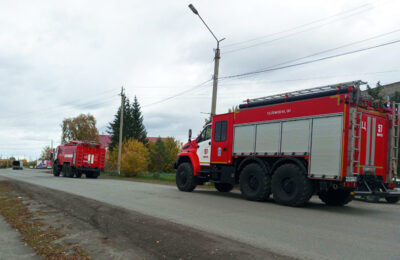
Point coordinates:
[[205, 134], [220, 131]]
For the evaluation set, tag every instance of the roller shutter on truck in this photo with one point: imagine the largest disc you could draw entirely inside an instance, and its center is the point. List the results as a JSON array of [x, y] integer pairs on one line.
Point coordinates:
[[320, 138]]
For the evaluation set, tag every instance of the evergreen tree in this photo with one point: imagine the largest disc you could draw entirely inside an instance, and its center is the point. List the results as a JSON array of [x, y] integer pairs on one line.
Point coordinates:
[[133, 127], [113, 127], [138, 130]]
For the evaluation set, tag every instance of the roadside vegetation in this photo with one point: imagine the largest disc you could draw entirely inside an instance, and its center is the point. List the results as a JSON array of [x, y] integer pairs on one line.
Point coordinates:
[[42, 240]]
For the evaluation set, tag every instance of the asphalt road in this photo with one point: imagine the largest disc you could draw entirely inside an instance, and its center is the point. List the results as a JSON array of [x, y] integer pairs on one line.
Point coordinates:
[[358, 231]]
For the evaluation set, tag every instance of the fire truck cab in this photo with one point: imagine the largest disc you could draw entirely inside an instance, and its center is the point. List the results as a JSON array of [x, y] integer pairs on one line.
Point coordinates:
[[328, 141]]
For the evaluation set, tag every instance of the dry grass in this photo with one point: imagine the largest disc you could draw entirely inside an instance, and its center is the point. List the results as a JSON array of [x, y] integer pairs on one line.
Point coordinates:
[[42, 240]]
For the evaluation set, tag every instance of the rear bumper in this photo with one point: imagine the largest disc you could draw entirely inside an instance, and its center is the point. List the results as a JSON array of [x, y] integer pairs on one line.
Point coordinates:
[[368, 184], [381, 194]]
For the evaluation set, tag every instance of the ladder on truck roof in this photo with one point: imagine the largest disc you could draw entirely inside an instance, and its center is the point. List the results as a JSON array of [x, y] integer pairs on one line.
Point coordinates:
[[394, 142], [321, 89]]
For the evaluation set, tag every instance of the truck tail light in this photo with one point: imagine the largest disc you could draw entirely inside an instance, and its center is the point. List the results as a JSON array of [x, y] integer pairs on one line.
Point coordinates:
[[391, 185], [349, 184]]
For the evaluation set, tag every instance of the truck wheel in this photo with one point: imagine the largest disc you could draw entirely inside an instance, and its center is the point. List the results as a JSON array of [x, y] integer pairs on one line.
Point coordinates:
[[336, 197], [223, 187], [56, 171], [65, 170], [185, 180], [78, 174], [392, 200], [290, 186], [255, 183]]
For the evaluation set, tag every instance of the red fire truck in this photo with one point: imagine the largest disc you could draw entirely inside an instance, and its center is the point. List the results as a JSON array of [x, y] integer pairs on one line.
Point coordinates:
[[77, 157], [329, 141]]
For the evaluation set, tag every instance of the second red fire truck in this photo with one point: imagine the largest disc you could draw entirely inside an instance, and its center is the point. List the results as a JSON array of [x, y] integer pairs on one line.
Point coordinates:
[[329, 141], [77, 157]]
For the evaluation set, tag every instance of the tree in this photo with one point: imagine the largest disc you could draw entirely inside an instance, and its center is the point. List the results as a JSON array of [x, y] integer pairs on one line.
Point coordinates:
[[157, 156], [133, 124], [138, 130], [82, 127], [46, 153], [113, 127], [172, 148], [375, 93], [134, 158]]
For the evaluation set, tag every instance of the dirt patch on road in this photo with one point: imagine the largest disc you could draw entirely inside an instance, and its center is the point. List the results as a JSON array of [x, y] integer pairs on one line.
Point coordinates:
[[110, 232]]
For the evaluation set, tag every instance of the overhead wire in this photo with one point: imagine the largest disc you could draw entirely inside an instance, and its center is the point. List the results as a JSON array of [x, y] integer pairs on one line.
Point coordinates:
[[296, 27], [299, 32], [307, 62]]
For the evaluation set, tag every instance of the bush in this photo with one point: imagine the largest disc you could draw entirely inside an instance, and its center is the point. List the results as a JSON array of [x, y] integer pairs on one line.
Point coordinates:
[[163, 154], [134, 158]]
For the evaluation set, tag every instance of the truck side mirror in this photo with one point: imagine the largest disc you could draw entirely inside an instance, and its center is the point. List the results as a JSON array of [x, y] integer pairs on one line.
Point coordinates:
[[190, 135]]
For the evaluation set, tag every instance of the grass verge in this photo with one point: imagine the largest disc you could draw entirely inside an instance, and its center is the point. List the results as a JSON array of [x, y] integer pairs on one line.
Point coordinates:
[[42, 240]]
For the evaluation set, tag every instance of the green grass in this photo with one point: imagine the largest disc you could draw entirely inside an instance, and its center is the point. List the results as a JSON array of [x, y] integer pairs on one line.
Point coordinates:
[[163, 177]]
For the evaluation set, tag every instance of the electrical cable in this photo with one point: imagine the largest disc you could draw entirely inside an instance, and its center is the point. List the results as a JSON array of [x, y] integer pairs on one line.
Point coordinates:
[[307, 62]]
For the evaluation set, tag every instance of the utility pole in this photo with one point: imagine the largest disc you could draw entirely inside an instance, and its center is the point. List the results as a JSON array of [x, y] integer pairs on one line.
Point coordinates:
[[121, 124], [217, 57], [215, 80]]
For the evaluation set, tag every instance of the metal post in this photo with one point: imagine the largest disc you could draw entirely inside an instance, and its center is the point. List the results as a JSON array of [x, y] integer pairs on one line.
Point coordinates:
[[216, 62], [121, 124], [215, 82]]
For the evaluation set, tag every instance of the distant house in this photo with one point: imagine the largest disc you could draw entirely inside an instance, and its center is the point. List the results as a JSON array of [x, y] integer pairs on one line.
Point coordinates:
[[105, 140], [390, 89], [154, 139]]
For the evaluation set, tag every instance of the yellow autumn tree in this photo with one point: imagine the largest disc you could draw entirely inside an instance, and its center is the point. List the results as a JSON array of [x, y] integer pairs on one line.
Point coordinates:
[[134, 158]]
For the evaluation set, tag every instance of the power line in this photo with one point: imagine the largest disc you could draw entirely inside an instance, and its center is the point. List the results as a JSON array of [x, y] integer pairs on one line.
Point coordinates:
[[296, 27], [307, 62], [178, 94], [332, 49], [295, 33]]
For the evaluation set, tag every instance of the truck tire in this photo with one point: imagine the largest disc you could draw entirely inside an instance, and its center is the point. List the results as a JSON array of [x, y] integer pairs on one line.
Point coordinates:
[[392, 200], [223, 187], [91, 175], [336, 197], [185, 180], [255, 183], [56, 171], [78, 174], [290, 186], [64, 170]]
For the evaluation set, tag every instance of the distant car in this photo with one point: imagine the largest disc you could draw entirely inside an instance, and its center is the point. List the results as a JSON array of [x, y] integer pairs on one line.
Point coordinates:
[[31, 167]]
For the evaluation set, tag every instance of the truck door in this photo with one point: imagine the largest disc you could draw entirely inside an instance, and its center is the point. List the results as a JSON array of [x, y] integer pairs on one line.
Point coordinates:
[[221, 146], [203, 146]]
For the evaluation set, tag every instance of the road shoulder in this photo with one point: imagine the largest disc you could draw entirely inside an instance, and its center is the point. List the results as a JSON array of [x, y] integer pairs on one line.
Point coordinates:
[[134, 234]]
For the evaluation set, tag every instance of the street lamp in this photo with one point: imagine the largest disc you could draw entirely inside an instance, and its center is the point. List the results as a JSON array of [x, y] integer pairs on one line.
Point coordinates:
[[216, 62]]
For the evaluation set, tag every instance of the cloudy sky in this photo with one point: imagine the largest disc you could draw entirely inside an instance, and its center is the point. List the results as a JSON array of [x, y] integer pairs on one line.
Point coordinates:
[[62, 58]]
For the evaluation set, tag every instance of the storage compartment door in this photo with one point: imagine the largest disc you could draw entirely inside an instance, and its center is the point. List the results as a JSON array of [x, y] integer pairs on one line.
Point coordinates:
[[326, 145], [244, 139], [296, 137], [268, 139]]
